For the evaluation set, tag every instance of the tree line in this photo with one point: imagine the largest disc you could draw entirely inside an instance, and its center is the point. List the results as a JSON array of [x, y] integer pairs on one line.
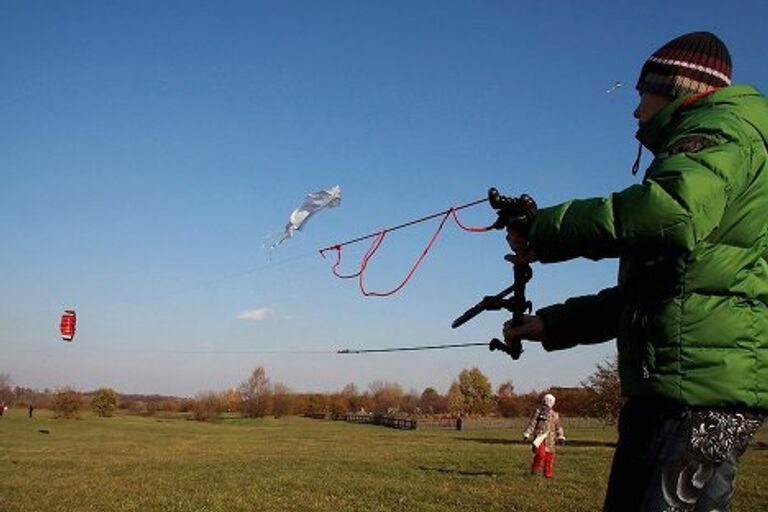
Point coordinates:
[[470, 394]]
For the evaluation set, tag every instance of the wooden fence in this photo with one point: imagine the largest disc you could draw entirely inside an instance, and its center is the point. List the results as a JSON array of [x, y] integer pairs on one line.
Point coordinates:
[[386, 421], [518, 423]]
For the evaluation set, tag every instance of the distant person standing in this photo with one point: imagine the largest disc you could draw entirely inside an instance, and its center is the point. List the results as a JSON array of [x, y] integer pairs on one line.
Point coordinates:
[[31, 409], [546, 431]]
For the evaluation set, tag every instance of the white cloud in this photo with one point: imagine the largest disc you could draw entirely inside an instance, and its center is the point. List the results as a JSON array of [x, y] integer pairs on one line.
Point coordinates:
[[257, 314]]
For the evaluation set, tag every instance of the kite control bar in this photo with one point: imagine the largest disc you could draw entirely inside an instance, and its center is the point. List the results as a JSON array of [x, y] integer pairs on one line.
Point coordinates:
[[515, 214], [517, 305], [488, 303]]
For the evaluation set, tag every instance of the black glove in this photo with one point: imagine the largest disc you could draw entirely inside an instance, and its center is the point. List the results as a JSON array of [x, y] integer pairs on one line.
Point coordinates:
[[514, 213]]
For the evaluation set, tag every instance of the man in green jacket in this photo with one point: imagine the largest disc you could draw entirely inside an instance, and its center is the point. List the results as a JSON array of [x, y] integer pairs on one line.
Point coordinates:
[[690, 310]]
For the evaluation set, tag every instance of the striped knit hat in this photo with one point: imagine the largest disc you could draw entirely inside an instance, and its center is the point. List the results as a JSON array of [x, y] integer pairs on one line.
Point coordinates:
[[691, 64]]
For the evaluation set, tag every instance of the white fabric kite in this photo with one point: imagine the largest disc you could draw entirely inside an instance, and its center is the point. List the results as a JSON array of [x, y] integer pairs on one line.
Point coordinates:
[[616, 85], [313, 203]]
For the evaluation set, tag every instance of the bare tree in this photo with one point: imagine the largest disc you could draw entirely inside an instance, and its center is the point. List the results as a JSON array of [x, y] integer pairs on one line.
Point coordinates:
[[386, 396], [409, 403], [230, 400], [6, 390], [605, 385], [507, 404], [350, 390], [256, 393], [282, 400], [353, 397], [207, 405], [24, 396]]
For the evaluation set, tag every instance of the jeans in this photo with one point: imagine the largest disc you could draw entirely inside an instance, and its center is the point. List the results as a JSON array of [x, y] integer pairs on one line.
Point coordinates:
[[677, 459]]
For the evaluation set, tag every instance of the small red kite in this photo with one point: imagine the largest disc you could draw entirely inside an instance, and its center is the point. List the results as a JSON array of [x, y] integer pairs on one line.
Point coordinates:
[[67, 325]]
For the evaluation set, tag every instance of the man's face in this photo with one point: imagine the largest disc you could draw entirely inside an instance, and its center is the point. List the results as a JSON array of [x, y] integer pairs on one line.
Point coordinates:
[[649, 104]]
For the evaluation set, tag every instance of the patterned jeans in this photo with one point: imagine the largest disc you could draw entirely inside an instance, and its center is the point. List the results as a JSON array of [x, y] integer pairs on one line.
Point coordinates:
[[674, 459]]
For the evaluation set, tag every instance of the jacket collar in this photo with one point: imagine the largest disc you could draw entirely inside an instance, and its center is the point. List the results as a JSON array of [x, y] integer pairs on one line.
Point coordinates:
[[651, 134]]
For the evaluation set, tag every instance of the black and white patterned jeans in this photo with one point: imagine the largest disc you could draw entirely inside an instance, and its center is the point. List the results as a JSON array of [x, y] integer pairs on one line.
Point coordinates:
[[674, 459]]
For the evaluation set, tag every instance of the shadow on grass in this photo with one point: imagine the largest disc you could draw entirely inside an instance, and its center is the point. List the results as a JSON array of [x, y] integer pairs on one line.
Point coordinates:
[[578, 443], [462, 472], [581, 443]]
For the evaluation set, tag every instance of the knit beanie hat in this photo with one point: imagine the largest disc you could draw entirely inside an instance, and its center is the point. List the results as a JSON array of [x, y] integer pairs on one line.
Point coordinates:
[[690, 64]]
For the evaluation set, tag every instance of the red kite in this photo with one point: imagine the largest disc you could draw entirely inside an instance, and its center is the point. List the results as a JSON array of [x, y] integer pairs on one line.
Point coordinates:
[[67, 325]]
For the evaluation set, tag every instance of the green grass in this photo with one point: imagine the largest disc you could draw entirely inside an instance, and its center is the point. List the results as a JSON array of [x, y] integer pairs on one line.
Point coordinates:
[[139, 464]]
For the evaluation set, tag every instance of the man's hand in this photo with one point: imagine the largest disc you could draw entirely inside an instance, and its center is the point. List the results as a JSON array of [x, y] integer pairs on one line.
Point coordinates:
[[522, 249], [526, 437], [532, 329]]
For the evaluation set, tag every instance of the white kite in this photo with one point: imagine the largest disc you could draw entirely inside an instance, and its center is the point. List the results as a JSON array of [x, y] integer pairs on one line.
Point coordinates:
[[616, 85], [313, 203]]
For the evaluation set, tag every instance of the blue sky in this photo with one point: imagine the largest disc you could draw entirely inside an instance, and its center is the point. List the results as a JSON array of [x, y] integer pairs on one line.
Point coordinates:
[[147, 149]]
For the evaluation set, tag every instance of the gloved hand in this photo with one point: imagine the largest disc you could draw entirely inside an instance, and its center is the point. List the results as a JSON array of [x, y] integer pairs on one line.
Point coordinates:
[[522, 250], [533, 329], [526, 437], [516, 213], [561, 440]]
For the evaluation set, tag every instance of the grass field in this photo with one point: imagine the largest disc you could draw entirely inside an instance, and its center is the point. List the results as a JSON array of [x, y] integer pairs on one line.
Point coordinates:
[[131, 463]]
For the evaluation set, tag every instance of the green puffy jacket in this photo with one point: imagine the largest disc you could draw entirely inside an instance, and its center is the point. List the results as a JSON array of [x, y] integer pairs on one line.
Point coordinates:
[[690, 311]]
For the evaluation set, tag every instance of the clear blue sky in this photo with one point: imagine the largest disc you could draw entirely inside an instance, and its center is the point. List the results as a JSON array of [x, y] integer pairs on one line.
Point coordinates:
[[147, 148]]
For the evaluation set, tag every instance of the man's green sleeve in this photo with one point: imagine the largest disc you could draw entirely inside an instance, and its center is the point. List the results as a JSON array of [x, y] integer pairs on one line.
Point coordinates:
[[681, 201], [582, 320]]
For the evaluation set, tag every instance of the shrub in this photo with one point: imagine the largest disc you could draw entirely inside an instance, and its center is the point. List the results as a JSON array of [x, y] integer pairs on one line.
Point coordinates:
[[206, 406], [104, 402], [67, 403], [282, 400]]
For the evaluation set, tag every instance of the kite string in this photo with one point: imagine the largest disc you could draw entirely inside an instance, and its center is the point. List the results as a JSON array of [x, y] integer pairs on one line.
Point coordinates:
[[410, 273], [472, 229], [368, 253], [378, 238], [405, 225], [408, 349]]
